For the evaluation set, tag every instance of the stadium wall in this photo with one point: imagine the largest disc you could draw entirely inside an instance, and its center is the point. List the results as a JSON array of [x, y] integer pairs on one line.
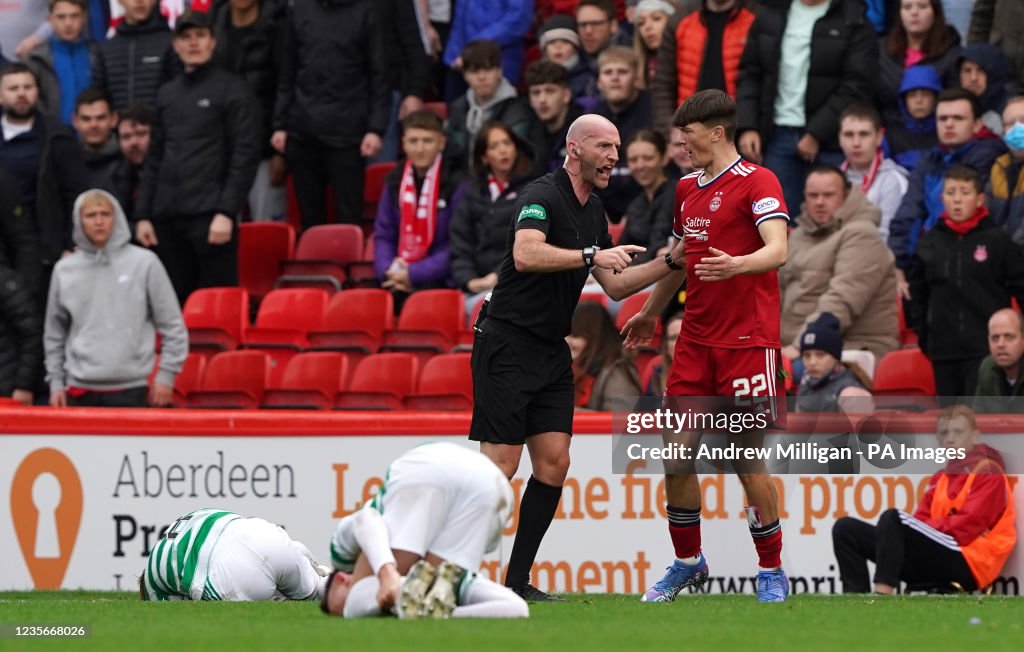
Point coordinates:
[[85, 493]]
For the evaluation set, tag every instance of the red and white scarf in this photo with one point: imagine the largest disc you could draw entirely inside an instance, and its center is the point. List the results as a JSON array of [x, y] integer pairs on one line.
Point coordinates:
[[871, 174], [417, 211], [496, 187]]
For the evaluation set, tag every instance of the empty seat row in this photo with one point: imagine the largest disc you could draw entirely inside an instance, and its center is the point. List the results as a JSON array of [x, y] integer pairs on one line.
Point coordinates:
[[327, 380]]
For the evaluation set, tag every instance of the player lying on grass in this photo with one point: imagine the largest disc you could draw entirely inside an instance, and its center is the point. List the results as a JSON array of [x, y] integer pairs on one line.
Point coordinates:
[[212, 554], [440, 509]]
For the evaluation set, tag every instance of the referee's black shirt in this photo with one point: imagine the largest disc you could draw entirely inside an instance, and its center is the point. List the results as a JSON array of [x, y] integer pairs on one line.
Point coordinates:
[[542, 303]]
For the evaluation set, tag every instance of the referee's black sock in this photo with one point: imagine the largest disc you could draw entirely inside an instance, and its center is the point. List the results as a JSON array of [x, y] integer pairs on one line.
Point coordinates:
[[540, 501]]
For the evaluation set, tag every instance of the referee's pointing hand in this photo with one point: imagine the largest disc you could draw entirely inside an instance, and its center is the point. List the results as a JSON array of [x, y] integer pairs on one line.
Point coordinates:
[[617, 258]]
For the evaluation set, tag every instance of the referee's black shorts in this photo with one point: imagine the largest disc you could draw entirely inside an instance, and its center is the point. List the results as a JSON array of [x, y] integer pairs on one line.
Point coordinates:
[[522, 386]]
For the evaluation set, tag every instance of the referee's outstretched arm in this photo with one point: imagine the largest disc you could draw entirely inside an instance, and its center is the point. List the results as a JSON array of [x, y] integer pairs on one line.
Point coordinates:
[[631, 280]]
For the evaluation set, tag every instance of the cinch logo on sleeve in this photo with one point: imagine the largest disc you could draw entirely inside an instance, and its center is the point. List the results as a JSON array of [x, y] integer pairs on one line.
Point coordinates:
[[763, 206], [532, 212]]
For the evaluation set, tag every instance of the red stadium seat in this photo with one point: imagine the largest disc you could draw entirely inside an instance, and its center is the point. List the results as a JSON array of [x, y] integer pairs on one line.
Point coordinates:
[[380, 382], [321, 257], [445, 384], [440, 109], [233, 380], [190, 378], [373, 186], [904, 372], [311, 381], [217, 318], [430, 322], [355, 322], [261, 248], [286, 316]]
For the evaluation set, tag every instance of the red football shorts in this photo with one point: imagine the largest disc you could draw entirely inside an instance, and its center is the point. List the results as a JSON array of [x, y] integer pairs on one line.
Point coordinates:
[[752, 376]]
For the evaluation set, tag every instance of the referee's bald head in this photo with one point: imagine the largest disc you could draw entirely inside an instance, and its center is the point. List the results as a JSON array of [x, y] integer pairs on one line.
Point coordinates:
[[587, 126]]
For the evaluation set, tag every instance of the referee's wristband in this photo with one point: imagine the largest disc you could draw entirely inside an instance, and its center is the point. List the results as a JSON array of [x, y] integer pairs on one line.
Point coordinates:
[[671, 263]]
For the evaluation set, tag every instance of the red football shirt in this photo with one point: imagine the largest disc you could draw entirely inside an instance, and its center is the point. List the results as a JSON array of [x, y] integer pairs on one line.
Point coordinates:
[[724, 213]]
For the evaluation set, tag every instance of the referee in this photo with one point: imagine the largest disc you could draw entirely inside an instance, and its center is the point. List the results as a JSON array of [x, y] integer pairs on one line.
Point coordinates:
[[522, 369]]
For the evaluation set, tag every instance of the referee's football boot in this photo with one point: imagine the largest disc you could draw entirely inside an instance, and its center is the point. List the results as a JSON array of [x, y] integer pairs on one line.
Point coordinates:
[[414, 589], [440, 600], [531, 593], [677, 577], [772, 586]]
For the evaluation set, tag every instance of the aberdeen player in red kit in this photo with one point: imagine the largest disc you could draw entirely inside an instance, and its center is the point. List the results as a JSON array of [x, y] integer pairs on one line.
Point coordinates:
[[733, 221]]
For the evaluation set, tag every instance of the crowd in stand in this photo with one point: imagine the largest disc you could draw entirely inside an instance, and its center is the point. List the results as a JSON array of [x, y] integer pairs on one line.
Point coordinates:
[[130, 151]]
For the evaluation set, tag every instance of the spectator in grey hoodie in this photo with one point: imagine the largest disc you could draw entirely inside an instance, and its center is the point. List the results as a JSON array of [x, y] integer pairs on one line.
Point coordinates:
[[106, 303]]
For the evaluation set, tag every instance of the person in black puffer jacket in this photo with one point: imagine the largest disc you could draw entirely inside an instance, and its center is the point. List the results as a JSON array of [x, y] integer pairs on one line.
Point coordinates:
[[332, 103], [21, 337], [133, 64], [250, 42], [965, 269], [841, 59], [479, 228], [199, 167]]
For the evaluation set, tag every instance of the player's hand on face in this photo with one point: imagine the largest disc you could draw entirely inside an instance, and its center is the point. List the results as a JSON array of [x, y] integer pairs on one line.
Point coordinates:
[[639, 330], [390, 584], [617, 258], [718, 267]]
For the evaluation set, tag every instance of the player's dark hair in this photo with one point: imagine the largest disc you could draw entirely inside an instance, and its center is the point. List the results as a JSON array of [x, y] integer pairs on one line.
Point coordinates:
[[17, 68], [864, 111], [829, 169], [140, 113], [92, 95], [956, 94], [481, 54], [523, 162], [649, 136], [711, 108], [423, 119], [327, 592], [964, 173], [546, 72], [607, 6], [81, 4]]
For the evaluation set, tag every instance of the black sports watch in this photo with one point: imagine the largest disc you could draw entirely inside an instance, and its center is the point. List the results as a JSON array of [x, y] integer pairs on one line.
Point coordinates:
[[588, 256], [671, 263]]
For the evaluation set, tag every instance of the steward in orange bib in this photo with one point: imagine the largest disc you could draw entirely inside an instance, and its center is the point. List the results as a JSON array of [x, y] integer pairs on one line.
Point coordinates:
[[960, 535]]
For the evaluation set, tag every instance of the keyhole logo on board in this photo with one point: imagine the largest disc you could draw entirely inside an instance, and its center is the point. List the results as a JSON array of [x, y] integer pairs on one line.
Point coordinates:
[[46, 505]]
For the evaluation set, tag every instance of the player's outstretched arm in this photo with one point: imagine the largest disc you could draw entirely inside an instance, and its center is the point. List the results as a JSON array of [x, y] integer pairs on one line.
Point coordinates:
[[619, 285], [721, 266]]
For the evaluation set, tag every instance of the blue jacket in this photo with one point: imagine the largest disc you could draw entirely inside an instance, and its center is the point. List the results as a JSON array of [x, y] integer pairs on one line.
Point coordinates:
[[503, 21], [922, 204], [908, 138]]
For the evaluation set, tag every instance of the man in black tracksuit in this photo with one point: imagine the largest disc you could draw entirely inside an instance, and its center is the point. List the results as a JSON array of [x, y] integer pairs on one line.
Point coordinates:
[[200, 165], [332, 103], [133, 64]]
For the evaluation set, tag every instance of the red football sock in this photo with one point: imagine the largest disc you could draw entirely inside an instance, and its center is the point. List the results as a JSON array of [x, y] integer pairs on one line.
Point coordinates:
[[684, 528], [768, 542]]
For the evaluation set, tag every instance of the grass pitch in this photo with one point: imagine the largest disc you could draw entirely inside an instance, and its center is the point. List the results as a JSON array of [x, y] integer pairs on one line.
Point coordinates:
[[586, 623]]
